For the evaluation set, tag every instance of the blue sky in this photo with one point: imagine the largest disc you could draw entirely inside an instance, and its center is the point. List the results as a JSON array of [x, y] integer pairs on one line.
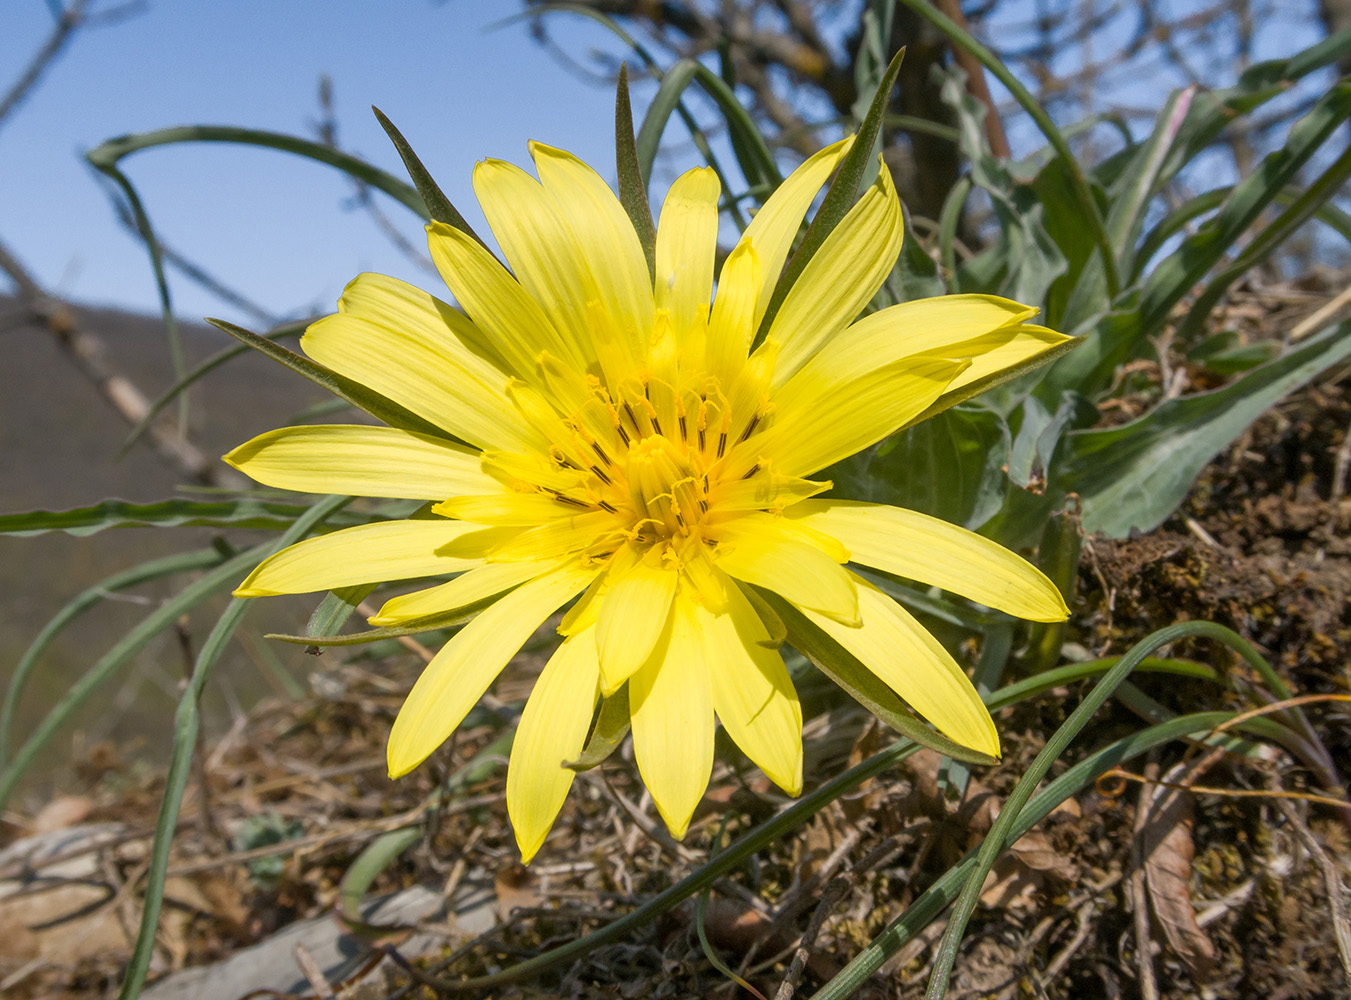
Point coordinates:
[[274, 226], [283, 230]]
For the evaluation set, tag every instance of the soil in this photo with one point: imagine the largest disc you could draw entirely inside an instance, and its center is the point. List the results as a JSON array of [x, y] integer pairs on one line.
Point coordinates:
[[1226, 880]]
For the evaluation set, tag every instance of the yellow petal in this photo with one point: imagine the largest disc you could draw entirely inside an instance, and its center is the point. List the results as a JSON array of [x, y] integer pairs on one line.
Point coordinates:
[[841, 278], [633, 617], [367, 553], [932, 551], [361, 461], [594, 532], [687, 240], [611, 260], [733, 322], [497, 506], [496, 301], [775, 226], [993, 353], [459, 674], [406, 344], [752, 692], [763, 491], [538, 244], [552, 730], [914, 664], [672, 709], [476, 584], [767, 551], [952, 326], [817, 422]]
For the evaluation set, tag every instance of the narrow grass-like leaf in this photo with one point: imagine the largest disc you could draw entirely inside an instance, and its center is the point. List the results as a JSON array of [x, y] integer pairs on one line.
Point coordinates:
[[1002, 831], [334, 610], [612, 725], [183, 562], [777, 827], [860, 683], [988, 382], [1092, 216], [187, 721], [286, 332], [1305, 206], [1130, 198], [179, 512], [377, 405], [632, 180], [378, 855], [840, 196], [107, 154], [435, 204], [1134, 475], [1117, 340], [935, 899], [414, 626], [109, 663]]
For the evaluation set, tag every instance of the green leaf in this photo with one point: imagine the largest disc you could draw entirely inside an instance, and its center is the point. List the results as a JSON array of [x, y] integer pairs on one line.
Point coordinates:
[[334, 610], [187, 720], [107, 665], [839, 197], [435, 204], [265, 515], [1024, 261], [105, 156], [632, 180], [612, 725], [414, 626], [1134, 476], [950, 467], [155, 569], [362, 396], [1121, 336], [860, 683], [1304, 207], [1138, 181], [1091, 215]]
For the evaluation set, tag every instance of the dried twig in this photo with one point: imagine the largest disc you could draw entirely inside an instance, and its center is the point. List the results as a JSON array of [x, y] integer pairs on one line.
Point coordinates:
[[87, 352]]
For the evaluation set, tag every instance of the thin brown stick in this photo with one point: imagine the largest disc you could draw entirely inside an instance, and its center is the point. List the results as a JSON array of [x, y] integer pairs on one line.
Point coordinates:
[[976, 85], [87, 352]]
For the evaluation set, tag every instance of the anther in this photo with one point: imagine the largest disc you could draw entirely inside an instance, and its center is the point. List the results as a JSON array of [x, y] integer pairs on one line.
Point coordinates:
[[722, 444], [750, 427], [600, 474]]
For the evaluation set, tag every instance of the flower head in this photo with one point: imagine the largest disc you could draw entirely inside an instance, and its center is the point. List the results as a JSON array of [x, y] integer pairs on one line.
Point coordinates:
[[621, 440]]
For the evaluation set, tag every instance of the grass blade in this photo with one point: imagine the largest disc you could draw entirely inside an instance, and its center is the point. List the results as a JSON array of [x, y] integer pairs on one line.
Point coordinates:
[[227, 573], [186, 724], [377, 405], [183, 562], [106, 155], [839, 197], [179, 512], [632, 179]]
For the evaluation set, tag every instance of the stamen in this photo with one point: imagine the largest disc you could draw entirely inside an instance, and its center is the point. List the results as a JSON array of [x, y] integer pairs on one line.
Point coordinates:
[[722, 444], [600, 474], [754, 469], [564, 498], [750, 427]]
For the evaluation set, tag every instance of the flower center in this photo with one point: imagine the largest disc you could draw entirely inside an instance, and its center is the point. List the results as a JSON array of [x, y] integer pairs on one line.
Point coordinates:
[[669, 495]]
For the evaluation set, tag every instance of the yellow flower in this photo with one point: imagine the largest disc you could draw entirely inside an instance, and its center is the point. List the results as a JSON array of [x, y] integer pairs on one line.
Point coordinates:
[[625, 444]]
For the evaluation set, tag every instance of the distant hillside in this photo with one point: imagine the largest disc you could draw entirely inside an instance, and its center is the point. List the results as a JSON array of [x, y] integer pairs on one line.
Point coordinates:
[[58, 446]]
